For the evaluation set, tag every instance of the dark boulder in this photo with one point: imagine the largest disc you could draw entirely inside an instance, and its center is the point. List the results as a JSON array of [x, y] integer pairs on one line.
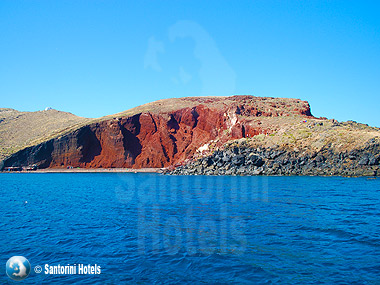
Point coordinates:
[[238, 160], [255, 160], [373, 161], [364, 160], [320, 158], [226, 158]]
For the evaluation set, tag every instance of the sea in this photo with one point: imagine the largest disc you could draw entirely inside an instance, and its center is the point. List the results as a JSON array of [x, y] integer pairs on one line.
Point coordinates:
[[145, 228]]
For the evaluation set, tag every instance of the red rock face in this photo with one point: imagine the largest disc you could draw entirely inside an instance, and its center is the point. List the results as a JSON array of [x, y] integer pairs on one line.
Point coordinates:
[[153, 139]]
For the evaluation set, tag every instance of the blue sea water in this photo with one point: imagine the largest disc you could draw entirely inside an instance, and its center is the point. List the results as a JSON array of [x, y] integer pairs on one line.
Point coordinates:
[[150, 228]]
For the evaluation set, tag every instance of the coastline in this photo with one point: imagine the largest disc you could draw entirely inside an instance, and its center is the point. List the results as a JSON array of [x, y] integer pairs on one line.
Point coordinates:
[[91, 170], [244, 160]]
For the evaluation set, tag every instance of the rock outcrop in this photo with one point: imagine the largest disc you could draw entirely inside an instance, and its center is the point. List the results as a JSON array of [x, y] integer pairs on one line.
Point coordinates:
[[158, 134], [174, 132], [248, 160]]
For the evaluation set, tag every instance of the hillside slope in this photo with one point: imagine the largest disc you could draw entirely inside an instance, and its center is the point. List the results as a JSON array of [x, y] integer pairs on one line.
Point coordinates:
[[157, 134], [21, 129], [176, 131], [309, 147]]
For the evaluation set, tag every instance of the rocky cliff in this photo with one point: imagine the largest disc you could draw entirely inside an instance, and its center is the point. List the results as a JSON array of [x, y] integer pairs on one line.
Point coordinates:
[[241, 158], [213, 135], [161, 133]]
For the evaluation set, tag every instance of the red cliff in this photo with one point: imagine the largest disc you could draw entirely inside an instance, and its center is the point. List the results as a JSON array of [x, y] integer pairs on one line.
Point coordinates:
[[159, 134]]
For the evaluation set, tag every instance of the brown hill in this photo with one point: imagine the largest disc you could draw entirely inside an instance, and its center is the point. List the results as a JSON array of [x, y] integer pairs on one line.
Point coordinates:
[[21, 129], [167, 132]]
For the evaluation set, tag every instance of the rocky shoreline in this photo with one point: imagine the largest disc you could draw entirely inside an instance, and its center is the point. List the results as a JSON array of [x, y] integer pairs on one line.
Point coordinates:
[[276, 160], [236, 135], [87, 170]]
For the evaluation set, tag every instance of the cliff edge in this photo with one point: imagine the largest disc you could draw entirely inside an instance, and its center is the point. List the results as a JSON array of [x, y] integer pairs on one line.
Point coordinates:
[[180, 131]]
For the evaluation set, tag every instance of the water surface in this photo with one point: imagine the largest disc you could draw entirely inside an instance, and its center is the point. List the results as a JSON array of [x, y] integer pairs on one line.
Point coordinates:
[[144, 228]]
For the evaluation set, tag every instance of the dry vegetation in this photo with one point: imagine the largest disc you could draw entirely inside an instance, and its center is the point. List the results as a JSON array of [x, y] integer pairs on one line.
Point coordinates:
[[314, 134], [21, 129], [217, 102]]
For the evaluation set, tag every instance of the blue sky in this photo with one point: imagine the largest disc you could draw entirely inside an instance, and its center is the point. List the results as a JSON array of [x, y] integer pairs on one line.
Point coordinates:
[[95, 58]]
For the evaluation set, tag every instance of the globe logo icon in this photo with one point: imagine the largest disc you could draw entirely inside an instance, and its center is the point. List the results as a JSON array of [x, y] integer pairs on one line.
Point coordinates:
[[17, 268]]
